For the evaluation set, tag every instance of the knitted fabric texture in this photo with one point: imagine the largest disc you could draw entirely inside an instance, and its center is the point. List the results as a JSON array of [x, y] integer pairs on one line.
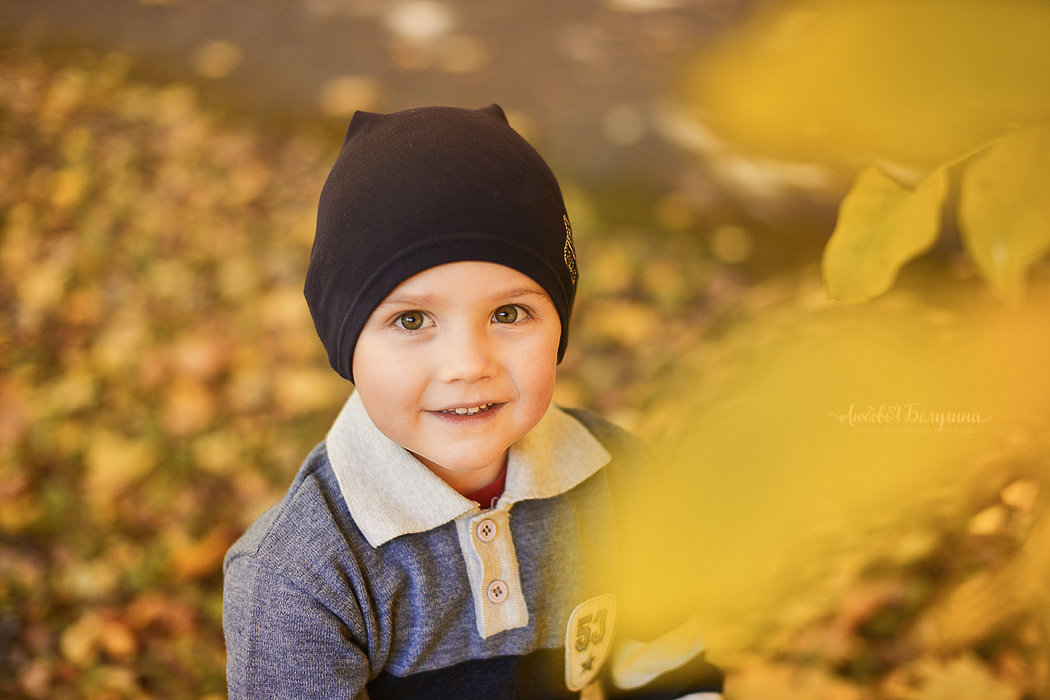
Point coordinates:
[[415, 189]]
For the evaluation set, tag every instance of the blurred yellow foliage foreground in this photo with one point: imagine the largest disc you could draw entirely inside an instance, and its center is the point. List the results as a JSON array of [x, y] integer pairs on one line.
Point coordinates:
[[898, 83], [860, 485]]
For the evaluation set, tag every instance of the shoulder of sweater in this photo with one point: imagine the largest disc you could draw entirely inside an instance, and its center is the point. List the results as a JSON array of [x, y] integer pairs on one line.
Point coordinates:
[[619, 442], [627, 472], [310, 521]]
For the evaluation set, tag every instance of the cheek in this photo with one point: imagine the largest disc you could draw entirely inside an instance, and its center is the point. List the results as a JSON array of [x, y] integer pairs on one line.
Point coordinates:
[[542, 392], [385, 380], [391, 401], [537, 370]]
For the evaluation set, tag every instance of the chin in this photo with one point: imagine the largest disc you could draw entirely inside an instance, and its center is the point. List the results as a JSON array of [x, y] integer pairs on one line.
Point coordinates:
[[469, 466], [471, 461]]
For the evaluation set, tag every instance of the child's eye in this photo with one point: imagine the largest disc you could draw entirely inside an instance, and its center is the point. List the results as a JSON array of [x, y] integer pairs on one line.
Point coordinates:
[[510, 313], [413, 321]]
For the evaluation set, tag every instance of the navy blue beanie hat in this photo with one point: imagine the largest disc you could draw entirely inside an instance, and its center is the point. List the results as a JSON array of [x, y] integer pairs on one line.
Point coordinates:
[[415, 189]]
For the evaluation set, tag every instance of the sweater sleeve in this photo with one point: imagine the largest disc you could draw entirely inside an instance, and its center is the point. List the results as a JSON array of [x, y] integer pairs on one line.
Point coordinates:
[[670, 666], [284, 640]]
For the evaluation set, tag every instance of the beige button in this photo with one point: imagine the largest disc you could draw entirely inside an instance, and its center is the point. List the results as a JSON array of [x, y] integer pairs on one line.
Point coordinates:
[[497, 591], [486, 530]]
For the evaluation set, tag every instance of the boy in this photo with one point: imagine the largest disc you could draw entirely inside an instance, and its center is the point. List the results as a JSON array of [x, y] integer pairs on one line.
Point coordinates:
[[453, 535]]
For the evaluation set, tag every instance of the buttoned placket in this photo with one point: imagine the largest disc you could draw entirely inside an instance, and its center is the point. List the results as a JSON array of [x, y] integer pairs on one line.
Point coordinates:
[[492, 567]]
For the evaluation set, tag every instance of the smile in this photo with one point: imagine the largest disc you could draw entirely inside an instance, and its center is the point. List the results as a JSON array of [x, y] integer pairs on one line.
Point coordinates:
[[468, 411]]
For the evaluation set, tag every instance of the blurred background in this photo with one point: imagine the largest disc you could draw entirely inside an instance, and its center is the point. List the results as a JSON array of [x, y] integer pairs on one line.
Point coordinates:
[[861, 487]]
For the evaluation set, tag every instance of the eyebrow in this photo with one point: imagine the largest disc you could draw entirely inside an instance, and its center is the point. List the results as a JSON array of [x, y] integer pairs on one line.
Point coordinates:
[[407, 300], [520, 292]]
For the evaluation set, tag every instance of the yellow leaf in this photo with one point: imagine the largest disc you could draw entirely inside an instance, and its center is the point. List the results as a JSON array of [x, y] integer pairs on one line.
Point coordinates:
[[301, 389], [623, 322], [1004, 213], [218, 453], [881, 226], [17, 417], [114, 462], [94, 632], [69, 187], [68, 393], [217, 59], [42, 290], [965, 679], [762, 680], [119, 346], [341, 96], [1021, 495], [189, 406], [848, 83], [193, 559], [79, 641], [202, 353], [117, 639]]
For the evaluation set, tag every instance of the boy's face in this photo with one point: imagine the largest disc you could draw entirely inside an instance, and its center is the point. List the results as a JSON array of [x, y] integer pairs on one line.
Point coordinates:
[[456, 364]]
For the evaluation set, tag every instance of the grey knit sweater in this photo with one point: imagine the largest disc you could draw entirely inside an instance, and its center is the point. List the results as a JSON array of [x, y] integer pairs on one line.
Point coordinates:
[[372, 578]]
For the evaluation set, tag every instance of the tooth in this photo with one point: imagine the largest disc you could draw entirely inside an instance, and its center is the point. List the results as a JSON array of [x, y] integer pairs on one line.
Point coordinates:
[[469, 411]]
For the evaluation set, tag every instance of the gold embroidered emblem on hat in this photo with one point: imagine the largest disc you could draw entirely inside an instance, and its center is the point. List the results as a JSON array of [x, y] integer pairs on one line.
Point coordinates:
[[569, 251]]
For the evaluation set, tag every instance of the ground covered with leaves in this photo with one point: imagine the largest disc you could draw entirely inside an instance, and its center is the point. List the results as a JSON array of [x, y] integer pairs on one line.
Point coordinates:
[[161, 382]]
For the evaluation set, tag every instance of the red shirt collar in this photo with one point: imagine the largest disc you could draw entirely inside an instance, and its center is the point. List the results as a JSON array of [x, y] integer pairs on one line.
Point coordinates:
[[487, 496]]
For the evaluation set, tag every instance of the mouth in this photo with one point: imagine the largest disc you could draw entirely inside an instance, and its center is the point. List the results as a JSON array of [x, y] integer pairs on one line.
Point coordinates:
[[468, 411]]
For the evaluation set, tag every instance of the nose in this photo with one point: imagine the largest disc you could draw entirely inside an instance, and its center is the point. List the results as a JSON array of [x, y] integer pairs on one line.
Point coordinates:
[[466, 355]]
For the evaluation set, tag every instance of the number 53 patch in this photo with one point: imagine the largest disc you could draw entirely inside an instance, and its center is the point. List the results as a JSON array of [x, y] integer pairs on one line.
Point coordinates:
[[588, 639]]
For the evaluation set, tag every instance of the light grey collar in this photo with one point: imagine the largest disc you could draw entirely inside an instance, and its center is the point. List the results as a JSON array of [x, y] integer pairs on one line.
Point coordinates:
[[391, 493]]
